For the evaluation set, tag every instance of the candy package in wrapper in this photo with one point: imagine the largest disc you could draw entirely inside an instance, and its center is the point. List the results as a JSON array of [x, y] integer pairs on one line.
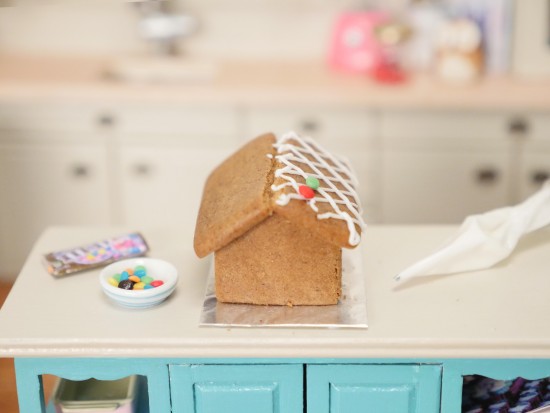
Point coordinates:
[[64, 262]]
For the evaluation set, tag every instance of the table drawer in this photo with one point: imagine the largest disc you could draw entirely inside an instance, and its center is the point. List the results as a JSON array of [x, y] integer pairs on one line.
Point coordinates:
[[237, 388], [442, 125], [373, 388], [48, 117], [175, 119], [324, 124]]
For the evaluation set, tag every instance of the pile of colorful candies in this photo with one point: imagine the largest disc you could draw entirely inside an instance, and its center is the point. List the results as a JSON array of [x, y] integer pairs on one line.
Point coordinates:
[[134, 279], [484, 395]]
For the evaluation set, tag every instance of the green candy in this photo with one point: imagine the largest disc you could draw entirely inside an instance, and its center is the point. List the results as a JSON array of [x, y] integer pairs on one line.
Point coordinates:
[[117, 277], [147, 279], [312, 182]]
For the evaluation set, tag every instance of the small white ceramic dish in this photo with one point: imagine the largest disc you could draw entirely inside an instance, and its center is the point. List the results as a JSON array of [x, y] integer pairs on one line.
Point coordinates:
[[156, 268]]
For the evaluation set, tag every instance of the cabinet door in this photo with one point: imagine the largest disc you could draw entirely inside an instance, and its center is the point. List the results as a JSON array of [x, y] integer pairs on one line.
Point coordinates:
[[373, 388], [535, 169], [442, 186], [323, 124], [440, 166], [534, 165], [45, 184], [161, 186], [237, 388]]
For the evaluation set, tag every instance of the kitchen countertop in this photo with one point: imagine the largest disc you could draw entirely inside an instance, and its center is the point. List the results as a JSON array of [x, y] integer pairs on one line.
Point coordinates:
[[502, 312], [260, 83]]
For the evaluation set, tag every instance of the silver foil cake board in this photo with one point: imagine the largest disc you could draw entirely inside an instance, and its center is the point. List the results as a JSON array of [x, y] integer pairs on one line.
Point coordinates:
[[350, 312]]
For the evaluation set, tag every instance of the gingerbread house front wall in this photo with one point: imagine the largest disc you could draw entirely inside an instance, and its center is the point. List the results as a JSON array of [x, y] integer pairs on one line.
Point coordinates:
[[278, 263]]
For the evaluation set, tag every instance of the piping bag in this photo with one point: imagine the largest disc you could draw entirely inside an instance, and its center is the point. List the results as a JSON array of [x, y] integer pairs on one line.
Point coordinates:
[[484, 240]]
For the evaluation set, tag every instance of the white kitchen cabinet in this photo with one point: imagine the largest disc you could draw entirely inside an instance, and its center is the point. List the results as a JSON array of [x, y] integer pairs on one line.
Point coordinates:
[[438, 167], [534, 169], [48, 117], [163, 157], [322, 123], [431, 186], [450, 125], [533, 162], [349, 132], [136, 164], [161, 184], [144, 165], [189, 122], [48, 180]]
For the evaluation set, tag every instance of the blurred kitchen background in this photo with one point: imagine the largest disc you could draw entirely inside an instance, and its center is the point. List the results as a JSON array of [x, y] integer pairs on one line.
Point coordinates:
[[114, 112]]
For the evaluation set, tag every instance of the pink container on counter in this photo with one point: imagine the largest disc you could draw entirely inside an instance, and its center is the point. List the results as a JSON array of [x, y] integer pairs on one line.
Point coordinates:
[[354, 48]]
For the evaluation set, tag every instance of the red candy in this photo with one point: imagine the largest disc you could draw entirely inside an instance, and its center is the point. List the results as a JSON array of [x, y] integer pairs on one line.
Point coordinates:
[[306, 191], [156, 283]]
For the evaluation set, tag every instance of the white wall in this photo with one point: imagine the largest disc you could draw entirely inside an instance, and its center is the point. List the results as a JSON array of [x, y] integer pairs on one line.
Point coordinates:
[[228, 28], [81, 28]]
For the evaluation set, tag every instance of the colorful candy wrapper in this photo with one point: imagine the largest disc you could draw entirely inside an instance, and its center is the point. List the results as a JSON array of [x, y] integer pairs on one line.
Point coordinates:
[[69, 261]]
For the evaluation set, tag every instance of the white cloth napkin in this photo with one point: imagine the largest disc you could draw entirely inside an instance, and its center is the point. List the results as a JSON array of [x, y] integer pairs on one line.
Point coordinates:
[[485, 239]]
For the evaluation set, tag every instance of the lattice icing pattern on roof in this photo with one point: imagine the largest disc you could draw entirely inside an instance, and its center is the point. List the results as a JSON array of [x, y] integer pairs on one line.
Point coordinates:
[[302, 158]]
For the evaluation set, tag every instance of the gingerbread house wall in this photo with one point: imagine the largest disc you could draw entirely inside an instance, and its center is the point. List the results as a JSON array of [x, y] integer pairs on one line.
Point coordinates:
[[279, 263]]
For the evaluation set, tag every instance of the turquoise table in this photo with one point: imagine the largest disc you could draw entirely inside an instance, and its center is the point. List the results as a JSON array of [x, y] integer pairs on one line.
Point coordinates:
[[423, 337]]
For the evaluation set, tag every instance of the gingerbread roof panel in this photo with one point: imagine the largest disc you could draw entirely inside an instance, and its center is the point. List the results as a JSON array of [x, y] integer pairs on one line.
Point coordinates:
[[317, 189], [236, 196]]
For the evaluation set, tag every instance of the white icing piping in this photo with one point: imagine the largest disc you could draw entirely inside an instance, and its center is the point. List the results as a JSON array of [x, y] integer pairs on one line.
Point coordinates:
[[291, 155]]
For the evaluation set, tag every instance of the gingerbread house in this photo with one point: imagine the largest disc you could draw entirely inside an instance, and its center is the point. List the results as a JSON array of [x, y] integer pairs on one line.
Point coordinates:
[[276, 214]]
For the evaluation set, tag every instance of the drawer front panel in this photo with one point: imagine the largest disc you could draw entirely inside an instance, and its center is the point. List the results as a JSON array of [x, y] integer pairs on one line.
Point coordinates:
[[376, 388], [48, 117], [187, 121], [237, 389], [450, 125], [442, 187], [325, 125]]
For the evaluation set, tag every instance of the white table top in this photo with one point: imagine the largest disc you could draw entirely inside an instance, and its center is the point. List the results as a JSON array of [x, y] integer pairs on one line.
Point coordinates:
[[502, 312]]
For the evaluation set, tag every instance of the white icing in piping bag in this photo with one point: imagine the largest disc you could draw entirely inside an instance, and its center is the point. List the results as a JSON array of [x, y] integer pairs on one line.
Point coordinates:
[[486, 239]]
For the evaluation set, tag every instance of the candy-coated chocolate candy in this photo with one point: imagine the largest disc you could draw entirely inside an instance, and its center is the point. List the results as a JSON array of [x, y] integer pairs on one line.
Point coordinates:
[[139, 286], [312, 182], [148, 287], [157, 283], [306, 191], [147, 279], [130, 271], [117, 277], [139, 268], [140, 273], [113, 282], [134, 278], [124, 275], [126, 284]]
